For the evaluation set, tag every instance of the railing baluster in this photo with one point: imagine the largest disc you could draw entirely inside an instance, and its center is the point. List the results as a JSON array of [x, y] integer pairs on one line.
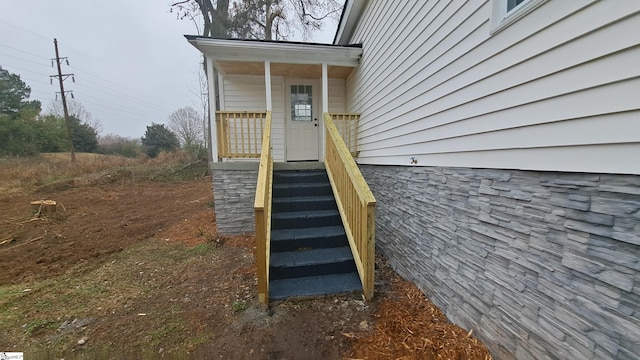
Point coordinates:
[[255, 135]]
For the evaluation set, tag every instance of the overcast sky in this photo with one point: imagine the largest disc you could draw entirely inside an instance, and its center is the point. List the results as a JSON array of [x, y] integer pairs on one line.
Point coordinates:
[[131, 62]]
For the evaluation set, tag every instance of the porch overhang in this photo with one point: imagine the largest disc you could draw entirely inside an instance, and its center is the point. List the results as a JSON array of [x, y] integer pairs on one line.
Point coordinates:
[[236, 56]]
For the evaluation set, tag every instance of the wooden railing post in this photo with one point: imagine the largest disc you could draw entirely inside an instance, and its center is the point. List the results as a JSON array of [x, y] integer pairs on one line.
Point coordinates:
[[355, 203], [262, 211]]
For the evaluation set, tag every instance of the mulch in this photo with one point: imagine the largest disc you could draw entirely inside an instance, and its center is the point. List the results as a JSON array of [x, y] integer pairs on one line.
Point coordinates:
[[409, 326]]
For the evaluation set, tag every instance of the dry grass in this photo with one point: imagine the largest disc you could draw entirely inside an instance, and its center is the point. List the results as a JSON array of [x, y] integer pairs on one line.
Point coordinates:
[[118, 288], [19, 175]]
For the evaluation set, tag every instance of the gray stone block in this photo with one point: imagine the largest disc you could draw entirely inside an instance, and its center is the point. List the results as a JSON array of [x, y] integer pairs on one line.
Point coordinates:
[[590, 228], [614, 204], [565, 202], [608, 343]]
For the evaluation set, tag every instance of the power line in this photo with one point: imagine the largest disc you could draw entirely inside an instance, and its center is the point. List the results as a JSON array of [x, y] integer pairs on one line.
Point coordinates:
[[147, 83], [118, 99], [102, 87], [129, 75], [27, 70], [23, 59], [24, 51], [117, 84], [24, 29], [119, 93]]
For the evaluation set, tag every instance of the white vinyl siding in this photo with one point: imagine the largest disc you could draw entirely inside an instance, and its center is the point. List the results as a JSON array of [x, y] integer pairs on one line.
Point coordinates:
[[556, 90], [337, 96], [246, 93]]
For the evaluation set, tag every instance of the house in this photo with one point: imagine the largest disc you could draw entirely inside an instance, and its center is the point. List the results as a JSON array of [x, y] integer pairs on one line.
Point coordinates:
[[501, 140]]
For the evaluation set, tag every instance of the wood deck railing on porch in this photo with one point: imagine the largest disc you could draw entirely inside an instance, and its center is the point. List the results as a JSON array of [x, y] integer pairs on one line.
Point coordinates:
[[355, 202], [347, 125], [240, 133], [262, 210]]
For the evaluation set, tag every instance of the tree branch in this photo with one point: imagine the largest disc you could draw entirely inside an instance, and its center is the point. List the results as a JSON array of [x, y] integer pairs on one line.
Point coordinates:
[[320, 18], [180, 3]]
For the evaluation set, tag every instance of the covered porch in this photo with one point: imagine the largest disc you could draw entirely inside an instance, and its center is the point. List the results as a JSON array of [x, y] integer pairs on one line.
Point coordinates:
[[297, 83]]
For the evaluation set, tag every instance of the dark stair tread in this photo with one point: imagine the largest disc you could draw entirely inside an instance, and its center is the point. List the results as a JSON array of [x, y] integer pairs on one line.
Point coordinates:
[[303, 203], [311, 257], [304, 214], [301, 185], [300, 177], [314, 286], [307, 233], [303, 198], [299, 174]]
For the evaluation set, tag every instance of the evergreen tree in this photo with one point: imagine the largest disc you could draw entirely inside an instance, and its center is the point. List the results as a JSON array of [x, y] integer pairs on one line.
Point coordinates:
[[17, 116], [158, 138], [85, 137]]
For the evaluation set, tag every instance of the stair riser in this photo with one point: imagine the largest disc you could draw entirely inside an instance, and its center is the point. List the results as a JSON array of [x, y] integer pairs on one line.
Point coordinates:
[[290, 206], [342, 267], [311, 243], [296, 179], [291, 191], [305, 222], [314, 286]]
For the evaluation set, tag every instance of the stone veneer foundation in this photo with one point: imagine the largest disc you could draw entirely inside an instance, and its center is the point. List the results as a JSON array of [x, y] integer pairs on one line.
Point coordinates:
[[234, 191], [541, 265]]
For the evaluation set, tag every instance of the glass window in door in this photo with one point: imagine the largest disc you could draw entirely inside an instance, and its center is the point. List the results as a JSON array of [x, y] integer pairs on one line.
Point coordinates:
[[301, 103]]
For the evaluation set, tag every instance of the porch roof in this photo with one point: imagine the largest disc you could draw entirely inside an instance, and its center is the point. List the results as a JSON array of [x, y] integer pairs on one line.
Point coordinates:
[[295, 59]]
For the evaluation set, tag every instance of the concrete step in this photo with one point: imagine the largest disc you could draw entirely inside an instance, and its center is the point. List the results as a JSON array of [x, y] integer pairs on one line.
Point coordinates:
[[314, 286], [313, 262]]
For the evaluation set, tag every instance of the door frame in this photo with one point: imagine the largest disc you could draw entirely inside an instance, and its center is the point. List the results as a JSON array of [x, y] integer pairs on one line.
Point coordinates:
[[316, 108]]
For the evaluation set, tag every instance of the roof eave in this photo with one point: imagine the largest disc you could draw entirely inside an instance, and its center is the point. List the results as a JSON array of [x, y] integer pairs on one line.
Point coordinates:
[[348, 21], [277, 52]]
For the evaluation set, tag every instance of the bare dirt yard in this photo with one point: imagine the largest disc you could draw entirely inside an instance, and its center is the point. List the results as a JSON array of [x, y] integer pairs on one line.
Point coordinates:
[[130, 266]]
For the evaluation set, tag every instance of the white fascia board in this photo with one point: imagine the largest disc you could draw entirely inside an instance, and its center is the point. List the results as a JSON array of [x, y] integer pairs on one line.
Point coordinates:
[[349, 21], [240, 50]]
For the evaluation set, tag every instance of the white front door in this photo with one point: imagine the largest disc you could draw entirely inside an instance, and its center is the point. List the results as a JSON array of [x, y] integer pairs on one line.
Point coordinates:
[[303, 128]]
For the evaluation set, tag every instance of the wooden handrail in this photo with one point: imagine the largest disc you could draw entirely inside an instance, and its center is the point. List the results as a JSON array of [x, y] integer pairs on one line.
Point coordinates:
[[262, 210], [355, 202], [240, 133]]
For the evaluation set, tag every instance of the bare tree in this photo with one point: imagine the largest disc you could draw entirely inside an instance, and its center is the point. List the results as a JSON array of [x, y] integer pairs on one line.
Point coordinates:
[[76, 110], [187, 124], [202, 92], [258, 19], [215, 18]]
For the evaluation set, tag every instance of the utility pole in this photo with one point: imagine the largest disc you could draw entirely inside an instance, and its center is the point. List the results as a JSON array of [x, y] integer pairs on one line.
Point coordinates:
[[61, 77]]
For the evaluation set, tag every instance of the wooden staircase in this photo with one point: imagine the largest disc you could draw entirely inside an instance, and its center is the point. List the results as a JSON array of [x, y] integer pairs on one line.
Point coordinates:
[[310, 253]]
